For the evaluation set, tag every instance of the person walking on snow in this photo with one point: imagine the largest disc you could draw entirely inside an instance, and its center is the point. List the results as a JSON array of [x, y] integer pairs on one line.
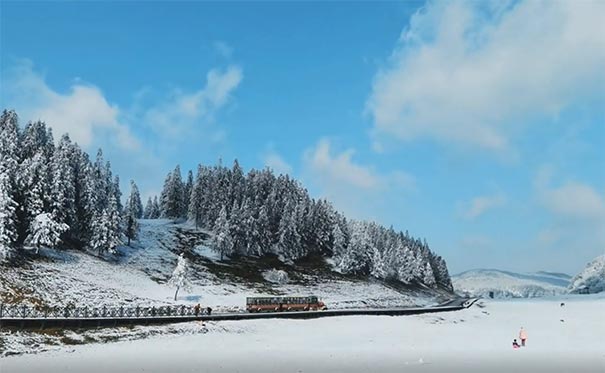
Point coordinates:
[[522, 336]]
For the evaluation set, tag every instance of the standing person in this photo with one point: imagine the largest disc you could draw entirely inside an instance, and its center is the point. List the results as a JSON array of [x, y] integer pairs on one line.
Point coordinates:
[[197, 309], [522, 336]]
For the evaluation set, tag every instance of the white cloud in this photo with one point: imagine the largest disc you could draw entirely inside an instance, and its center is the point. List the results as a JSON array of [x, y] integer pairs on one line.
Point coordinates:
[[574, 200], [356, 189], [277, 163], [481, 204], [83, 112], [340, 169], [184, 111], [472, 72]]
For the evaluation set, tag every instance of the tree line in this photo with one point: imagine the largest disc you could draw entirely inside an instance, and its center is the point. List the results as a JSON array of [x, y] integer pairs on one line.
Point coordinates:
[[259, 213]]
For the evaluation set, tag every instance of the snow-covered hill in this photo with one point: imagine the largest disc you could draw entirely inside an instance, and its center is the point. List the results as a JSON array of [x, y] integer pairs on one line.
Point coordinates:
[[505, 284], [139, 275], [591, 279]]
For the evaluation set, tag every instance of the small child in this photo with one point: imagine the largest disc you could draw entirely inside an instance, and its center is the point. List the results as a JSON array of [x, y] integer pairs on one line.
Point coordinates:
[[515, 344]]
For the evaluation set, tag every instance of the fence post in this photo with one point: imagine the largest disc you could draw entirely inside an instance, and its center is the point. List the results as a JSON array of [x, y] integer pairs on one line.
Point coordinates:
[[182, 310], [104, 311], [1, 309], [121, 311], [137, 311], [24, 309]]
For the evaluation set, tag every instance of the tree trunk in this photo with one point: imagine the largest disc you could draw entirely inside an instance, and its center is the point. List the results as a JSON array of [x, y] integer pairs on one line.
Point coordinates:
[[175, 294]]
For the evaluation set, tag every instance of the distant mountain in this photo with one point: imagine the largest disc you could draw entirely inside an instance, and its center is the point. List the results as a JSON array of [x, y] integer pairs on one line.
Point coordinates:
[[506, 284], [591, 279]]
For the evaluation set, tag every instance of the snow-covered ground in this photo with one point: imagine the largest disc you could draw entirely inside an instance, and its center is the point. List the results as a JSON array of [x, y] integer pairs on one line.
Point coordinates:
[[565, 338], [506, 284]]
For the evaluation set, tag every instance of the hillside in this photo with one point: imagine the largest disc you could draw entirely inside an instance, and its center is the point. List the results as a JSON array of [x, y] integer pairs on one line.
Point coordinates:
[[138, 276], [505, 284], [591, 279]]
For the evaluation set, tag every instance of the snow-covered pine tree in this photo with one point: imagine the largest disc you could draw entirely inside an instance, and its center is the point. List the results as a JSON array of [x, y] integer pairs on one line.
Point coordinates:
[[44, 231], [195, 201], [9, 144], [179, 278], [289, 237], [172, 196], [187, 189], [106, 228], [63, 191], [156, 212], [132, 212], [136, 207], [8, 231], [118, 194], [222, 241], [147, 212]]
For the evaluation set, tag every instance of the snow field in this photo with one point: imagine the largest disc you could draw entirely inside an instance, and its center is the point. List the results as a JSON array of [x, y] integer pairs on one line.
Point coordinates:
[[474, 340]]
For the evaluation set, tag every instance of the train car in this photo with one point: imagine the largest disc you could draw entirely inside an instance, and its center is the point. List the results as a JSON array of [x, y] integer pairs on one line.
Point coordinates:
[[283, 304]]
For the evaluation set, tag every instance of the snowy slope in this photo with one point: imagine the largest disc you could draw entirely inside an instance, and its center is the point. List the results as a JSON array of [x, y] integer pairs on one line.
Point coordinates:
[[139, 275], [591, 279], [505, 284]]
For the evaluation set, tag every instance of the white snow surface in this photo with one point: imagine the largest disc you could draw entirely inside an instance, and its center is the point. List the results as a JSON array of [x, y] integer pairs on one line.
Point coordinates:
[[565, 338], [591, 279], [506, 284]]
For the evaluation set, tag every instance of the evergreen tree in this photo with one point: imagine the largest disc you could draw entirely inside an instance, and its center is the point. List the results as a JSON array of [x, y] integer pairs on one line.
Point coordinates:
[[196, 198], [132, 212], [222, 241], [172, 195], [179, 275], [148, 211], [187, 190], [44, 231], [63, 187], [8, 231], [156, 211]]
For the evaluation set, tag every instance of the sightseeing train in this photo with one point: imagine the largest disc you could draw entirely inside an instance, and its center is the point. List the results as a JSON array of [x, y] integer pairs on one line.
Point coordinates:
[[281, 304]]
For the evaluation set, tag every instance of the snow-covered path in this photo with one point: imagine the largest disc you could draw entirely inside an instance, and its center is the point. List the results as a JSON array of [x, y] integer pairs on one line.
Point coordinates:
[[474, 340]]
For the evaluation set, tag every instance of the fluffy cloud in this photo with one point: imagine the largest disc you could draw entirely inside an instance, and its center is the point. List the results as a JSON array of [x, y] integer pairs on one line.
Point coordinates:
[[473, 72], [83, 112], [339, 169], [184, 111], [277, 163], [574, 200], [357, 189], [481, 204]]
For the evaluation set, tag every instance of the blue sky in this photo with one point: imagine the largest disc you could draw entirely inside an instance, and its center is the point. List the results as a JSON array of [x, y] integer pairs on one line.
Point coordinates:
[[478, 125]]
